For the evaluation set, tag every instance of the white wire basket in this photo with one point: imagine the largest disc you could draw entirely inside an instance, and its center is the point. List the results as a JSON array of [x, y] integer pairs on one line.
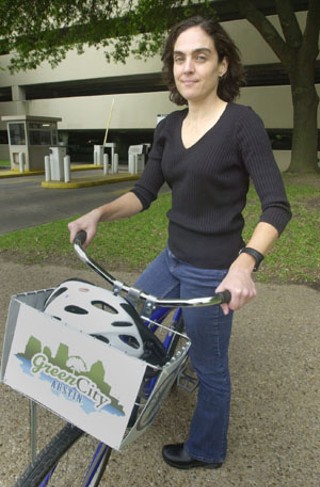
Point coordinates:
[[79, 378]]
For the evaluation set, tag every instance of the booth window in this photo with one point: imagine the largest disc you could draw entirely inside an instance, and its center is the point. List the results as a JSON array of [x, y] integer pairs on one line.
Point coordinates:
[[42, 134], [3, 137], [17, 134]]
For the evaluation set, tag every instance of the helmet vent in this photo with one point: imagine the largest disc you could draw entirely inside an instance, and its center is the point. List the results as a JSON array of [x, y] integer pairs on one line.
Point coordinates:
[[130, 341], [104, 307], [121, 323], [102, 338], [55, 294], [76, 310]]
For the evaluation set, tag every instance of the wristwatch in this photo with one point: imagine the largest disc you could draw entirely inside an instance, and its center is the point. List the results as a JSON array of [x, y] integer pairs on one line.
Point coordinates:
[[258, 257]]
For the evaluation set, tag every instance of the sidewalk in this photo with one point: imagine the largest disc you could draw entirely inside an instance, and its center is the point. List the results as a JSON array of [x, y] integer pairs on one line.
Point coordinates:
[[274, 436], [82, 176]]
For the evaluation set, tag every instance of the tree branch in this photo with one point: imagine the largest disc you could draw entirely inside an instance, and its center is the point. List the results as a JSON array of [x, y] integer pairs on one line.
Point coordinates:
[[312, 30], [249, 10], [289, 23], [50, 33]]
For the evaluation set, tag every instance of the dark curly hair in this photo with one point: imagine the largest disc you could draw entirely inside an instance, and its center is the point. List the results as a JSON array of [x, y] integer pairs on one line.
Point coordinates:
[[229, 85]]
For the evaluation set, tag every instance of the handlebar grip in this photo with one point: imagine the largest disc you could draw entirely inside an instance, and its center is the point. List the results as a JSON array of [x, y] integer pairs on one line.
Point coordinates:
[[81, 237], [225, 296]]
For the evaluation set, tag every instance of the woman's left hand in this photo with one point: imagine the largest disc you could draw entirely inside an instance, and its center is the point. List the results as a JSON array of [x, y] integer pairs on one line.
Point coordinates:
[[241, 286]]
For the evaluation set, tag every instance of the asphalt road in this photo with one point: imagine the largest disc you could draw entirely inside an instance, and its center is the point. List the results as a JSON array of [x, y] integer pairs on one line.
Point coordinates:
[[24, 203]]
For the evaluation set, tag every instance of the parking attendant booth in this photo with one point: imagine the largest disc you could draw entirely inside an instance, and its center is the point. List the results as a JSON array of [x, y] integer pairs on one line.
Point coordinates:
[[30, 138]]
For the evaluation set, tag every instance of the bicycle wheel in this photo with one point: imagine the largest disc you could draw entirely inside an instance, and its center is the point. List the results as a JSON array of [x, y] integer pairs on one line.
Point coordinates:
[[66, 461]]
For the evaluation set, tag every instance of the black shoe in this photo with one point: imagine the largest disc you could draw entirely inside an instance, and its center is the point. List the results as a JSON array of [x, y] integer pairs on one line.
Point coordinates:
[[176, 456]]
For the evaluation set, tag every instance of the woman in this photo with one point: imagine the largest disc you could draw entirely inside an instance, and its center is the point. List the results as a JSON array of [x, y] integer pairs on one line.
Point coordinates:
[[206, 153]]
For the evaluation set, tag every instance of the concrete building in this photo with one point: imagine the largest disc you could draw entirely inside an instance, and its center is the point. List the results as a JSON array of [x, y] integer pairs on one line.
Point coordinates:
[[83, 89]]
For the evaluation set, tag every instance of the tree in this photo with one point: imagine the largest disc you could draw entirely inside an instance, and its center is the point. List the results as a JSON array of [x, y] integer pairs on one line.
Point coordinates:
[[298, 52], [44, 30]]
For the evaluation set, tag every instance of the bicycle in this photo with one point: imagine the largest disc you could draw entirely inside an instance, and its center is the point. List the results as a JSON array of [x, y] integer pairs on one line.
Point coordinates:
[[160, 326]]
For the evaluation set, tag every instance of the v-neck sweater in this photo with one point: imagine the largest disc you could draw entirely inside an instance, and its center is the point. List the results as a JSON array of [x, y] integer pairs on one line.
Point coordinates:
[[209, 183]]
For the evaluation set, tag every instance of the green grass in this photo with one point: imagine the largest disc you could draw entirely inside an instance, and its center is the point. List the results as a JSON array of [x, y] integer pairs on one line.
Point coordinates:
[[131, 244], [295, 257], [6, 164], [128, 244]]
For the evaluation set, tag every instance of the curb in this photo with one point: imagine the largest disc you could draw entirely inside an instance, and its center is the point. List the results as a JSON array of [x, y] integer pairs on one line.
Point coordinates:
[[15, 174], [88, 183], [76, 182]]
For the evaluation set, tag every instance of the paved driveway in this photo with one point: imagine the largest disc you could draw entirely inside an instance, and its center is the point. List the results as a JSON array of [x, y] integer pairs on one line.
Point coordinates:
[[25, 203]]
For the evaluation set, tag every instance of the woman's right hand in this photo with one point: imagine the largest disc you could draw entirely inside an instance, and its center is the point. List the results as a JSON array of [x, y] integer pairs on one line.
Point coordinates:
[[122, 207], [88, 223]]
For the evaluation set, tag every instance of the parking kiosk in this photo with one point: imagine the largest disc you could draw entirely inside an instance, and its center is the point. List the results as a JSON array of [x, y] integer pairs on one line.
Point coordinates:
[[30, 138]]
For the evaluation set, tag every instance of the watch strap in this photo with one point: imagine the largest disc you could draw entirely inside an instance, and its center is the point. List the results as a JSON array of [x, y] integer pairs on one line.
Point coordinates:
[[258, 257]]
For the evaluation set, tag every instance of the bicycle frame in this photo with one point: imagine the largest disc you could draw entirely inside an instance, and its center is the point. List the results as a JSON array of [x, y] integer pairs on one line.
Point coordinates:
[[101, 454]]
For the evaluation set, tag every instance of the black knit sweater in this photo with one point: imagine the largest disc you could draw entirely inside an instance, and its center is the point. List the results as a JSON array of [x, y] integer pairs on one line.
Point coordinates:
[[209, 183]]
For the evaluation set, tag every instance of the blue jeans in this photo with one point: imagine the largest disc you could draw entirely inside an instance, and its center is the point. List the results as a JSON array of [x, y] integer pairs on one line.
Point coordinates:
[[209, 330]]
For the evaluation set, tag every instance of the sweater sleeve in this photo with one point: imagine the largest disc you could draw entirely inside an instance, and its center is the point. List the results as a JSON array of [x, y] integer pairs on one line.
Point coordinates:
[[148, 186], [257, 157]]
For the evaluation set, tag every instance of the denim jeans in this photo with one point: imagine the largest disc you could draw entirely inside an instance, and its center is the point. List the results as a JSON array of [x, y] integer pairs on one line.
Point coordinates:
[[209, 330]]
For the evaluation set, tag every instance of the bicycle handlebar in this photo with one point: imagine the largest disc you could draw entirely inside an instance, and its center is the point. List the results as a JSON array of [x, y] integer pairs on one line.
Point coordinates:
[[136, 294]]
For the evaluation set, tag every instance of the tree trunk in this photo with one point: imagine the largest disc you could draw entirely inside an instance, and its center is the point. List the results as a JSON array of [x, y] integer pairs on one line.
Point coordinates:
[[304, 156], [298, 52]]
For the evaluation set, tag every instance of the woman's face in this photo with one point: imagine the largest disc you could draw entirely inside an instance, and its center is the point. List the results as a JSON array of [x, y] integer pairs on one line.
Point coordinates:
[[196, 67]]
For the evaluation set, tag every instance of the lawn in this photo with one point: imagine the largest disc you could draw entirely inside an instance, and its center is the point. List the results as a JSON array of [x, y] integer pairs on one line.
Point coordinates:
[[131, 244]]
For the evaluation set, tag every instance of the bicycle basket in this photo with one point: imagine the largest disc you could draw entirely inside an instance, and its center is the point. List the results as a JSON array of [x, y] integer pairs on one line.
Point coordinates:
[[85, 381]]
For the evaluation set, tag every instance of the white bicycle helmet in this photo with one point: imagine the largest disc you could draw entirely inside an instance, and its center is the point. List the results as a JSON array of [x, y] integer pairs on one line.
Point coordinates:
[[97, 312]]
